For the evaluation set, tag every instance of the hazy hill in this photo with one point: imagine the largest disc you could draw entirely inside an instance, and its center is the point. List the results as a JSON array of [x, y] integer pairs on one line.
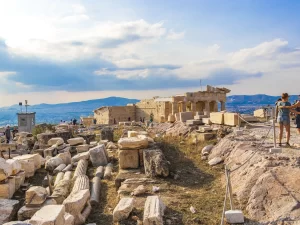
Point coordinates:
[[256, 99]]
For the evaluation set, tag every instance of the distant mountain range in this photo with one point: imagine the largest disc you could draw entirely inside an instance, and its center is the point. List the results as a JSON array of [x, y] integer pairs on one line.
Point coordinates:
[[256, 99], [89, 104]]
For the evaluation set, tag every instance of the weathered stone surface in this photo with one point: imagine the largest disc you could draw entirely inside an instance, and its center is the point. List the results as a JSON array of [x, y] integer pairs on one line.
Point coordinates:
[[155, 163], [26, 212], [98, 156], [61, 191], [49, 215], [88, 137], [56, 141], [99, 172], [111, 145], [132, 134], [215, 161], [82, 148], [69, 219], [107, 134], [36, 195], [49, 151], [81, 183], [58, 178], [68, 175], [67, 168], [17, 223], [133, 143], [207, 149], [123, 209], [6, 169], [8, 210], [81, 168], [203, 136], [232, 119], [140, 190], [154, 211], [43, 139], [20, 178], [204, 129], [28, 167], [234, 216], [217, 117], [76, 202], [65, 156], [184, 116], [108, 171], [84, 155], [128, 159], [76, 141], [52, 163], [95, 191], [35, 157], [59, 168], [8, 188]]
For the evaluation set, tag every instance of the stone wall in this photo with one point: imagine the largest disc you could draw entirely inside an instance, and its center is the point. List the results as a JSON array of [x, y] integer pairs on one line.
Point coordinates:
[[145, 107], [102, 115], [121, 114]]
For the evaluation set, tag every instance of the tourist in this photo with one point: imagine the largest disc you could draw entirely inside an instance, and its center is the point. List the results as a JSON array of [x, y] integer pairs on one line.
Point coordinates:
[[297, 112], [283, 118], [74, 121], [7, 134], [14, 132]]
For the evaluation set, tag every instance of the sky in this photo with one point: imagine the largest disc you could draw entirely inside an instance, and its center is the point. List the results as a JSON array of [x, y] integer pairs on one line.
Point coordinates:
[[54, 51]]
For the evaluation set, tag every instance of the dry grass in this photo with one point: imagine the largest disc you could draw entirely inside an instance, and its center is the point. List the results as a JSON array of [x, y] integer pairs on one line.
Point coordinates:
[[199, 185]]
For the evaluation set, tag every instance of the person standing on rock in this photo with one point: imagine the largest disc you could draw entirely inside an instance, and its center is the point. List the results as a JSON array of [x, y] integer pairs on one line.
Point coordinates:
[[283, 118], [7, 134], [296, 106]]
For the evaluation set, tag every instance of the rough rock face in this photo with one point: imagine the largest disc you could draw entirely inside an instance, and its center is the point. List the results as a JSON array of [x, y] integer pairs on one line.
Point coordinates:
[[8, 209], [107, 133], [155, 163], [266, 185], [171, 129]]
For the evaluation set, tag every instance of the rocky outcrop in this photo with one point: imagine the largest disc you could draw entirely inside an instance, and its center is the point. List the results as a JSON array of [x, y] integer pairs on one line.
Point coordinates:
[[266, 185]]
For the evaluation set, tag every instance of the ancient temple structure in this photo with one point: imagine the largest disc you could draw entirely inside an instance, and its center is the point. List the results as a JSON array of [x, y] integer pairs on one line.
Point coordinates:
[[161, 108]]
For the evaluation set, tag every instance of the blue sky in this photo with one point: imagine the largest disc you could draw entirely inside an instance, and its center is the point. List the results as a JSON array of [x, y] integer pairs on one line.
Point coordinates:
[[59, 51]]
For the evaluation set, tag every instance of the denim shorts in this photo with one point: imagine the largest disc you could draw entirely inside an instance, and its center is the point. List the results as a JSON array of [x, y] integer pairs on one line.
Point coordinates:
[[285, 120]]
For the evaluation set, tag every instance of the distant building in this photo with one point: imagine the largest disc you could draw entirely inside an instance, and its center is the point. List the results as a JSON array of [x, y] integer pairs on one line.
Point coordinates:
[[26, 122], [161, 107]]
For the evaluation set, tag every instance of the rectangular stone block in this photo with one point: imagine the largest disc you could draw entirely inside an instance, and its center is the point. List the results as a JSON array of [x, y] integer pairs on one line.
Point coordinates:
[[184, 116], [275, 150], [132, 134], [129, 159], [206, 121], [232, 119], [154, 211], [8, 189], [123, 209], [204, 136], [217, 118], [49, 215], [260, 113], [234, 216]]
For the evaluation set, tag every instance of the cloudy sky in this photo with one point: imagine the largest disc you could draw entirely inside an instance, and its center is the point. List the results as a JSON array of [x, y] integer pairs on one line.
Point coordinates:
[[59, 51]]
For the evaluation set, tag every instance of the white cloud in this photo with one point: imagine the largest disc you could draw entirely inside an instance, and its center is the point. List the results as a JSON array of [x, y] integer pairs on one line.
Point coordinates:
[[172, 35], [6, 73]]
